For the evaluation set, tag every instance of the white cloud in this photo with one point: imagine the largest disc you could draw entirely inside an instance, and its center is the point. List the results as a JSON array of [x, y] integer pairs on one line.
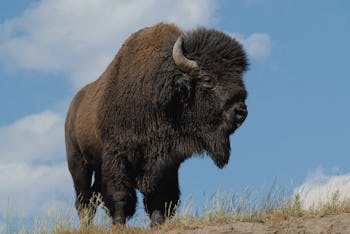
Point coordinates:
[[319, 188], [81, 37], [31, 189], [33, 170], [37, 137], [258, 45]]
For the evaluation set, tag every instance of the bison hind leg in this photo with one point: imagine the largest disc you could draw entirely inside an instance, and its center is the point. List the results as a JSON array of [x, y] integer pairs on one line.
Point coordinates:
[[96, 193], [86, 198]]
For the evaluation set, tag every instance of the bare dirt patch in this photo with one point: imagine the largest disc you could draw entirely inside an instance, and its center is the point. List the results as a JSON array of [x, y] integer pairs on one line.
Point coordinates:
[[329, 224]]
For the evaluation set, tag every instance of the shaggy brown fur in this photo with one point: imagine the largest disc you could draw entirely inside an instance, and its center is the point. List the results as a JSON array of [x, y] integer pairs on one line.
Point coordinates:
[[135, 125]]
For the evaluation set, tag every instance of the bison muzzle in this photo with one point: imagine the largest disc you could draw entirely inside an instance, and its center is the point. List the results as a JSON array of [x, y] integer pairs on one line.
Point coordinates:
[[166, 95]]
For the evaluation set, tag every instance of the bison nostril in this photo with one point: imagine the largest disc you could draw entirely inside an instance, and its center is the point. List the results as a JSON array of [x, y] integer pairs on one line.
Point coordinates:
[[241, 117], [241, 112]]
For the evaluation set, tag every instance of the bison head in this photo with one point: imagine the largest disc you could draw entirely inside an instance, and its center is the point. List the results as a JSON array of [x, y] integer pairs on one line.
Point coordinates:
[[205, 96]]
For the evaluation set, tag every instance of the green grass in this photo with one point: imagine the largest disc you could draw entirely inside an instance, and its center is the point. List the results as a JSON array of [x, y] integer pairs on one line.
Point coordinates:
[[276, 209]]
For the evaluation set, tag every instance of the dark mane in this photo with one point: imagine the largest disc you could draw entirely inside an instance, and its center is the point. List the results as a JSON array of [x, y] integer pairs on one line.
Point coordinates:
[[211, 45]]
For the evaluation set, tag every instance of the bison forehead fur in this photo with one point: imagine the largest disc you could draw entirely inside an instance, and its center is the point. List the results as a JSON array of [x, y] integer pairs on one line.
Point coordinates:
[[157, 103]]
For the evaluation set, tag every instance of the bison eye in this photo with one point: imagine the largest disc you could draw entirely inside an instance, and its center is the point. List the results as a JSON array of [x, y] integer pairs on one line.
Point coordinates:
[[207, 82]]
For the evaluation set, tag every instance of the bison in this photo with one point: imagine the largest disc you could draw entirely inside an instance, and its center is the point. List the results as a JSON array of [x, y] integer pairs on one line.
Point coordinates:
[[166, 95]]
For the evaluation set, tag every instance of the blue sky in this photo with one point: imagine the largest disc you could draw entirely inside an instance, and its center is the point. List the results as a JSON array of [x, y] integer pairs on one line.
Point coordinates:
[[297, 130]]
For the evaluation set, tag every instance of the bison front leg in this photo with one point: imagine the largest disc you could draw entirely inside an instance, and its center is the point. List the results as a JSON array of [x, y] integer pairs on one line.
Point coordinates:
[[118, 190], [163, 201]]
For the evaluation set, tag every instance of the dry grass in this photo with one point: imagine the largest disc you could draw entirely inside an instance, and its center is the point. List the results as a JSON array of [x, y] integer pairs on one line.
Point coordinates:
[[275, 210]]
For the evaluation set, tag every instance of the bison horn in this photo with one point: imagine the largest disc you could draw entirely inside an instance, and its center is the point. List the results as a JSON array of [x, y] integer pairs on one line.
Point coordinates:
[[184, 64]]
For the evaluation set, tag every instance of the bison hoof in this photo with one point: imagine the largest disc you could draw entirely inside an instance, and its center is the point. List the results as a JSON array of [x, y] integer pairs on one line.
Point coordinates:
[[157, 218], [119, 220]]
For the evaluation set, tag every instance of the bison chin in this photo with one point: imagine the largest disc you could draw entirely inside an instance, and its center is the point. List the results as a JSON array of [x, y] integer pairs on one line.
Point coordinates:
[[218, 143], [218, 148]]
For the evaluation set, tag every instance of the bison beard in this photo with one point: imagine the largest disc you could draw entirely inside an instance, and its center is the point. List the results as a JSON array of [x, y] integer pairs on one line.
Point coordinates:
[[166, 95]]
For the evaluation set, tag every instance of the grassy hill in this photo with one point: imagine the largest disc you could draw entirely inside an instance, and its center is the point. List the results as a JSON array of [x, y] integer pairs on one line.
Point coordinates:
[[223, 213]]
